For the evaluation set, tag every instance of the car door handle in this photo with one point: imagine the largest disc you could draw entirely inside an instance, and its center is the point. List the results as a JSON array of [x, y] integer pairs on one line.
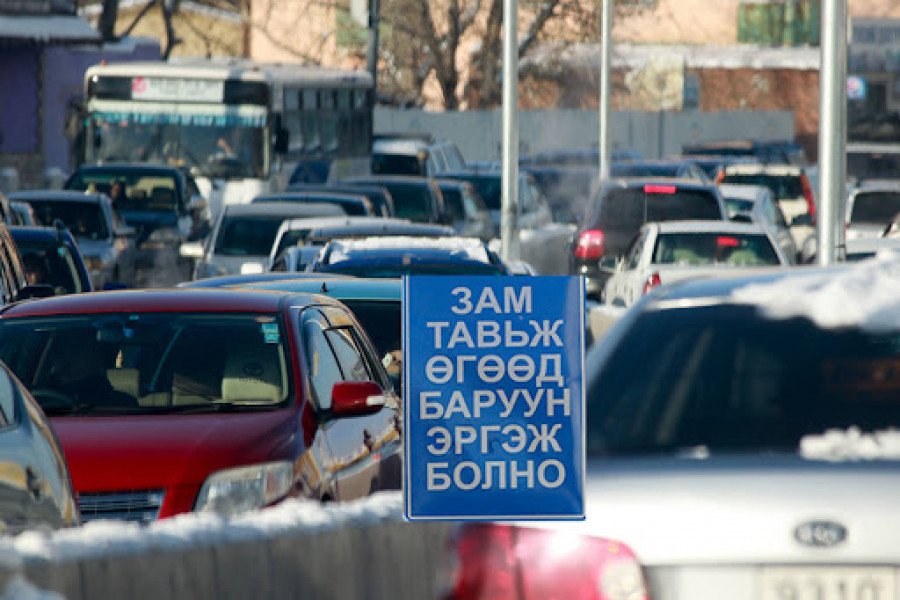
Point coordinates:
[[34, 482]]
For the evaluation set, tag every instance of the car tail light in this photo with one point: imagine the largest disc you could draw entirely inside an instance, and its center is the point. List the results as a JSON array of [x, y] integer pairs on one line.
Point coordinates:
[[720, 176], [660, 189], [505, 562], [652, 282], [590, 244], [808, 196], [726, 241]]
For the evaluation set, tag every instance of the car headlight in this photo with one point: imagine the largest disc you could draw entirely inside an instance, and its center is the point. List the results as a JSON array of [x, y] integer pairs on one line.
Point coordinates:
[[233, 491]]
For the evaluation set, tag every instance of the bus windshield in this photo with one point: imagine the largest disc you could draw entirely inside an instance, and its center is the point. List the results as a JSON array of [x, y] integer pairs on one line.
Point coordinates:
[[214, 146]]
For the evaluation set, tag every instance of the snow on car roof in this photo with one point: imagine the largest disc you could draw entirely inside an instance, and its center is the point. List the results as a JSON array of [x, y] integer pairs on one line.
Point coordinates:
[[852, 444], [863, 295], [471, 248], [708, 227]]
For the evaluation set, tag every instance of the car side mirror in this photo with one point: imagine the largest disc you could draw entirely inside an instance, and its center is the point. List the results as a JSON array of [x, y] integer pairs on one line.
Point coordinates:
[[801, 220], [282, 140], [356, 398], [35, 290], [125, 231], [197, 203], [191, 250], [609, 264]]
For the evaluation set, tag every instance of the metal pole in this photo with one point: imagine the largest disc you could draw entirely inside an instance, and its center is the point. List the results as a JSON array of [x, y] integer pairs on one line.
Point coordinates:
[[832, 129], [372, 49], [605, 74], [509, 230]]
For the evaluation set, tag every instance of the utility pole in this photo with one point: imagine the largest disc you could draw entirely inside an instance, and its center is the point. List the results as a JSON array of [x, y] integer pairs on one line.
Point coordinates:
[[372, 49], [605, 150], [832, 130], [509, 206]]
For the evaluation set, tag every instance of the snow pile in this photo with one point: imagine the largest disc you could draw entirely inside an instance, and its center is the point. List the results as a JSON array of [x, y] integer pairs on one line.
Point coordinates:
[[866, 295], [837, 445], [193, 529], [19, 589], [472, 248]]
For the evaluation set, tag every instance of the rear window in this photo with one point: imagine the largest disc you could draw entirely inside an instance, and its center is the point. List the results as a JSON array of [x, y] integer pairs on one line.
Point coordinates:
[[397, 164], [784, 187], [633, 207], [875, 207], [51, 265], [130, 191], [411, 201], [489, 188], [739, 250], [84, 219], [723, 378], [247, 236]]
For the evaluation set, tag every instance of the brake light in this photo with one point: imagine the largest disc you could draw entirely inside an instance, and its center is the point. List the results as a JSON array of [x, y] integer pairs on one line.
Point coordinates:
[[726, 241], [720, 176], [652, 282], [808, 196], [590, 245], [505, 562], [660, 189]]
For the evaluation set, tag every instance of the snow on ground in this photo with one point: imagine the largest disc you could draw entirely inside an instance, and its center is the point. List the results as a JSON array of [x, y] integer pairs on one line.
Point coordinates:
[[19, 589], [291, 516], [865, 295], [837, 445]]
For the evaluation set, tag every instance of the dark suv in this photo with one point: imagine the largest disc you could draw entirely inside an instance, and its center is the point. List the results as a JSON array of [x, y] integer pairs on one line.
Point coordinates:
[[620, 207]]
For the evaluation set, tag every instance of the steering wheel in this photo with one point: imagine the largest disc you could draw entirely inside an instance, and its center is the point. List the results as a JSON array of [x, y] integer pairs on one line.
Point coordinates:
[[49, 398]]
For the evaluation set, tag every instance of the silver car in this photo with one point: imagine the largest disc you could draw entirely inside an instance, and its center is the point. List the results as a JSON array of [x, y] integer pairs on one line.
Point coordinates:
[[757, 204], [871, 209], [106, 243], [742, 436]]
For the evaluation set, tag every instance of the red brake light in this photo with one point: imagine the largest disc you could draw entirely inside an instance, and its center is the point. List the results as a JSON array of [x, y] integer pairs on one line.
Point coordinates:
[[660, 189], [505, 562], [652, 282], [808, 196], [590, 245], [726, 241], [720, 176]]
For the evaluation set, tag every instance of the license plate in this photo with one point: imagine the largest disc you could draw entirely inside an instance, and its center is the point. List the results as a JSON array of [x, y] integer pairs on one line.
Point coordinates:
[[828, 583]]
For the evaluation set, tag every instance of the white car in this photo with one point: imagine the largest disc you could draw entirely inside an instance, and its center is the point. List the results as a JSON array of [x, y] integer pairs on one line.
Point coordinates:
[[756, 204], [871, 208], [676, 250], [242, 238]]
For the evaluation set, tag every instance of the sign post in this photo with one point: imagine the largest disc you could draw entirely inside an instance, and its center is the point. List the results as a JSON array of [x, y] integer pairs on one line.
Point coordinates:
[[494, 415]]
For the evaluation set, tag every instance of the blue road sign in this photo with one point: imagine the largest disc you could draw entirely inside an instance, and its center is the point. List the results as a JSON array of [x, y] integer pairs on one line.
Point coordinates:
[[493, 374]]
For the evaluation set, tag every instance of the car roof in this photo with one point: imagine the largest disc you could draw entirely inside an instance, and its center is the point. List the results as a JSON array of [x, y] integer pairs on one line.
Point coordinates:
[[326, 222], [375, 229], [764, 169], [304, 195], [50, 235], [349, 288], [878, 185], [678, 182], [387, 179], [726, 227], [418, 248], [57, 196], [286, 209], [399, 146], [159, 300], [222, 281]]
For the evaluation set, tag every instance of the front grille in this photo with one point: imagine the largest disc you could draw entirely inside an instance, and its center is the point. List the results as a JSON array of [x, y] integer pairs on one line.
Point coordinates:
[[141, 506]]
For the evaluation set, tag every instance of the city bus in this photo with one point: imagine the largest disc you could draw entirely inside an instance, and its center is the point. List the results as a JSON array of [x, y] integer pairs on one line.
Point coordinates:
[[241, 127]]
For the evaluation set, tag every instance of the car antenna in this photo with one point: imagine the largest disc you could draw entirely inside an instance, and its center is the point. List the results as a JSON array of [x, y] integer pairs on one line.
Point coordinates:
[[324, 288]]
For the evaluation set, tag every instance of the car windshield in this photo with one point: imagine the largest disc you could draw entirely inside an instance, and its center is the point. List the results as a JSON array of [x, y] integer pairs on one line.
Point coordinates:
[[51, 265], [784, 187], [148, 362], [85, 220], [411, 201], [723, 378], [489, 190], [291, 238], [155, 192], [247, 236], [875, 207], [708, 248]]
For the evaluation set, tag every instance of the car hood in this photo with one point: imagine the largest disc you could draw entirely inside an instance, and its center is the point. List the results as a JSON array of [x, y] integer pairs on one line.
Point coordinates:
[[161, 451], [739, 510]]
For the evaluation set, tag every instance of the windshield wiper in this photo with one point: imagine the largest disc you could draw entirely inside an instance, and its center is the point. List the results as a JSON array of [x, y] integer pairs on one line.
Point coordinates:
[[213, 407]]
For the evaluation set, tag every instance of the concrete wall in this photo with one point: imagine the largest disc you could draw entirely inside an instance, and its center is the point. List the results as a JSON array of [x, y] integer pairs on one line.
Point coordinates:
[[314, 557], [478, 133]]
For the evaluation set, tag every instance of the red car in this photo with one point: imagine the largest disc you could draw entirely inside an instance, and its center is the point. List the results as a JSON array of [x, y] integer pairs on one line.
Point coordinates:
[[210, 400]]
